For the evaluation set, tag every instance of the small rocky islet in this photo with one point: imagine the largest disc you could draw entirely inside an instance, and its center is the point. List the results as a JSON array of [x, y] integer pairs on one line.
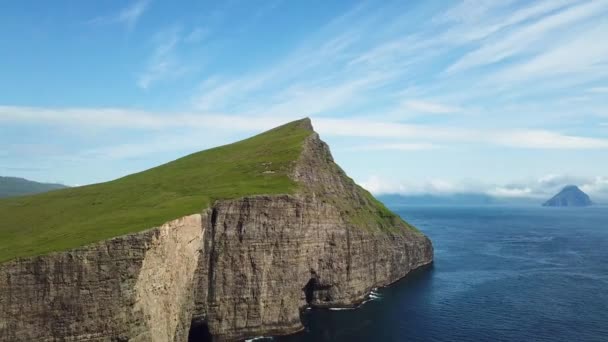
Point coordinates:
[[569, 196]]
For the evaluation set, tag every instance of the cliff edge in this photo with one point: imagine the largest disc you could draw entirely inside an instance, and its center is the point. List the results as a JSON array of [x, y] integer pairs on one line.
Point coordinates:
[[244, 264]]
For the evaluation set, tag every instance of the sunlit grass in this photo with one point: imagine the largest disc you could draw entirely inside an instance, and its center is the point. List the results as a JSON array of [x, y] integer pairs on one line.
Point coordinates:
[[68, 218]]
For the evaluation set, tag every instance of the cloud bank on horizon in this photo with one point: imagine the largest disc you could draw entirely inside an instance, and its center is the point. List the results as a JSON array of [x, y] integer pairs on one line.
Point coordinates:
[[541, 188], [412, 96]]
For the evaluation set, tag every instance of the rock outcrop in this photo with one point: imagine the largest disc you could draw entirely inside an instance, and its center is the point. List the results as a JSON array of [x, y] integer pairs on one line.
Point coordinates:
[[241, 268]]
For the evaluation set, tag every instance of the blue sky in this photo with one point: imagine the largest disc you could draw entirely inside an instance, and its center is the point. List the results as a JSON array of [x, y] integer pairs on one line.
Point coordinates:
[[503, 97]]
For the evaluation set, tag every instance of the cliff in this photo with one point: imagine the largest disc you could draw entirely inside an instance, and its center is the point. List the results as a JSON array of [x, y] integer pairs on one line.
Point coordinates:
[[569, 196], [239, 267]]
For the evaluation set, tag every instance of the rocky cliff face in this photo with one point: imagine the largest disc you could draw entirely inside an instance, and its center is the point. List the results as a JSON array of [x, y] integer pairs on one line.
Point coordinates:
[[241, 268]]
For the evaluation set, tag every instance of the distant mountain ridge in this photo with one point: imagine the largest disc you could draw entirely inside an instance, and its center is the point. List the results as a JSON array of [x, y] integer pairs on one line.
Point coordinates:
[[15, 186], [456, 199], [569, 196]]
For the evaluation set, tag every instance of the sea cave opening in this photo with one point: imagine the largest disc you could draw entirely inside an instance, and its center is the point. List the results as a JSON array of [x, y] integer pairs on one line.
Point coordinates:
[[199, 332]]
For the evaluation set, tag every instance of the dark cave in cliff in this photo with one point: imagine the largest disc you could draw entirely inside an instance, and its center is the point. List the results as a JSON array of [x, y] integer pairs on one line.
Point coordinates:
[[199, 332], [309, 289]]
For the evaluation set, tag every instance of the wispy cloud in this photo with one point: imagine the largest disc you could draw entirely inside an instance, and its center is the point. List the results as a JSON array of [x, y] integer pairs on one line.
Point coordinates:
[[530, 38], [128, 16], [379, 185], [196, 35], [599, 90], [505, 74], [541, 139], [111, 118], [164, 62], [581, 56], [535, 139], [354, 70], [433, 135], [411, 146], [131, 14], [429, 107]]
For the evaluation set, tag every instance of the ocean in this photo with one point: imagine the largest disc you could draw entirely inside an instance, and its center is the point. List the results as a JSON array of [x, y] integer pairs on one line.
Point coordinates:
[[500, 274]]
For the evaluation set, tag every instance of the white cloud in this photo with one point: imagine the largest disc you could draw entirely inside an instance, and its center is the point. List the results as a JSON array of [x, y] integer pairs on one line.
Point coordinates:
[[599, 90], [542, 188], [429, 107], [341, 68], [313, 99], [409, 146], [128, 16], [383, 129], [551, 179], [530, 38], [163, 63], [131, 119], [399, 134], [196, 35], [474, 21], [190, 142], [536, 139], [581, 56], [511, 192], [471, 11], [548, 140], [596, 188], [318, 75], [378, 185]]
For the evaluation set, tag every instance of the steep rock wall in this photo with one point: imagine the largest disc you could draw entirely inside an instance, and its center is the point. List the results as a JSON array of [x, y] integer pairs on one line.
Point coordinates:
[[164, 287], [270, 256], [136, 287]]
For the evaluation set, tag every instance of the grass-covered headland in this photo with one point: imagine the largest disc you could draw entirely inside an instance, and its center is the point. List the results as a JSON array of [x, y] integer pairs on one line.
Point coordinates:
[[67, 218]]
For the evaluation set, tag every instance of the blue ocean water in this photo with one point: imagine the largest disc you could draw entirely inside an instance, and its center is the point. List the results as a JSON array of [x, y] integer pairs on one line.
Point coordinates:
[[500, 274]]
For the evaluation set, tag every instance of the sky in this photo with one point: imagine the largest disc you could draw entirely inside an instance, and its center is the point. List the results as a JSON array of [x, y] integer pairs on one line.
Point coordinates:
[[508, 98]]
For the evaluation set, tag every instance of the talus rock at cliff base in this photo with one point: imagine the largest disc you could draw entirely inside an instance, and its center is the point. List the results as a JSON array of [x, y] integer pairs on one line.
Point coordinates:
[[242, 268]]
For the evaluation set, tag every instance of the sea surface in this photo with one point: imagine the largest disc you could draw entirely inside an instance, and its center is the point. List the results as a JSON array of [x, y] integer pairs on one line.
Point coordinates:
[[500, 274]]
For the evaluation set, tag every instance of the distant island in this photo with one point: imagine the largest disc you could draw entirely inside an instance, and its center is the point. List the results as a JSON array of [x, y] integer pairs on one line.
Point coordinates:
[[570, 196], [15, 186]]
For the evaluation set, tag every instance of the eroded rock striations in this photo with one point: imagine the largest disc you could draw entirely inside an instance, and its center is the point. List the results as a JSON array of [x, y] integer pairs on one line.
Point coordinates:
[[242, 268]]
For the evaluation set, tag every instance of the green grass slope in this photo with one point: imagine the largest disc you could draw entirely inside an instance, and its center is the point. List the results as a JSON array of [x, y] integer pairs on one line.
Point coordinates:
[[14, 186], [67, 218]]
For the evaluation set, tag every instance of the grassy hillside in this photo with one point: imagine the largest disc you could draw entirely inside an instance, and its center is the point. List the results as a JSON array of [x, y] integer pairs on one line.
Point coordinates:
[[13, 186], [72, 217]]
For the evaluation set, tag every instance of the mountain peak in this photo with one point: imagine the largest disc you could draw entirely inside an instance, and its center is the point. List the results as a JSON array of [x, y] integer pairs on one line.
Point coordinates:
[[304, 123], [569, 196]]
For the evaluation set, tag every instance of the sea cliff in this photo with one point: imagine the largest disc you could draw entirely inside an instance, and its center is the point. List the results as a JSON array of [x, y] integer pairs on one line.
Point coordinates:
[[240, 268]]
